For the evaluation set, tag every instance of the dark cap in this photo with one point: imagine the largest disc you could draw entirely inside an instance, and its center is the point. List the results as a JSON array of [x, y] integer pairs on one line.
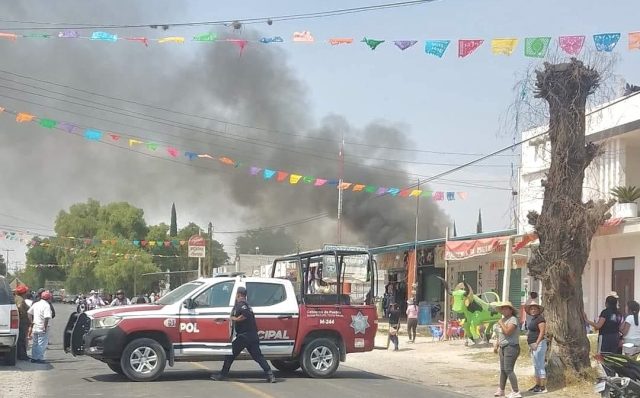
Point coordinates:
[[242, 290]]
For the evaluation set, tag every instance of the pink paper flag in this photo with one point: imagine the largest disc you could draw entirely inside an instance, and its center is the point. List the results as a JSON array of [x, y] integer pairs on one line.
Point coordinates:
[[634, 41], [142, 40], [303, 37], [438, 195], [282, 175], [240, 43], [466, 47], [463, 195], [8, 36], [572, 45], [173, 152], [114, 136], [319, 182], [255, 170], [294, 178]]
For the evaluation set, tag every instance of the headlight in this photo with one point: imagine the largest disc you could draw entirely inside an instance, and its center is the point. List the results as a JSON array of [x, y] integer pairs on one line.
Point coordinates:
[[105, 323]]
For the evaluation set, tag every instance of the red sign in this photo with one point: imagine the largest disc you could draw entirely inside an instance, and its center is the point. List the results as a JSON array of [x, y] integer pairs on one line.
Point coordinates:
[[197, 246], [197, 240]]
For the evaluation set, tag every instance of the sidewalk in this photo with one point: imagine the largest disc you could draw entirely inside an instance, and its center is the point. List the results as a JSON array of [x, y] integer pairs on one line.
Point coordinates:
[[447, 364]]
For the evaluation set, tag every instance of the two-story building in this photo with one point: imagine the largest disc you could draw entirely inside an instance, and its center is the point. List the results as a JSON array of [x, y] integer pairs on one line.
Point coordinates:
[[615, 251]]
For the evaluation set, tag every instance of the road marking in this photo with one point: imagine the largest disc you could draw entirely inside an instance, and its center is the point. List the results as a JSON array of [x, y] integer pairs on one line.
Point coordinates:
[[244, 386]]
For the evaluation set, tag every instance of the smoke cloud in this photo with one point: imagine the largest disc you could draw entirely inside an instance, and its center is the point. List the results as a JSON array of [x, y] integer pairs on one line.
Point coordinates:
[[46, 171]]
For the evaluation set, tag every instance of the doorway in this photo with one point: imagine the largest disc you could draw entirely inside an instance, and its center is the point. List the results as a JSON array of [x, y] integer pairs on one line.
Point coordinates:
[[622, 280]]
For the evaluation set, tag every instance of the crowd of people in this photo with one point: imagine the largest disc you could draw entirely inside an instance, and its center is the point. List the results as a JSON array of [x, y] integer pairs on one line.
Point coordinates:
[[95, 300]]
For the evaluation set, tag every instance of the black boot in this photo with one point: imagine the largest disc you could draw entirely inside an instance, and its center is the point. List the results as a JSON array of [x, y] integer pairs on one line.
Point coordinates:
[[219, 377], [271, 378]]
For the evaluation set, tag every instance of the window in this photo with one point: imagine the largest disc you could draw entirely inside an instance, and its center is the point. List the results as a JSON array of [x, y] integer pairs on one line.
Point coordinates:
[[265, 294], [177, 294], [6, 297], [218, 295]]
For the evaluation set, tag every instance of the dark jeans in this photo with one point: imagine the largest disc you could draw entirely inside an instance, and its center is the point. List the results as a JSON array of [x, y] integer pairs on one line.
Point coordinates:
[[412, 326], [253, 347], [508, 357], [610, 342], [22, 341]]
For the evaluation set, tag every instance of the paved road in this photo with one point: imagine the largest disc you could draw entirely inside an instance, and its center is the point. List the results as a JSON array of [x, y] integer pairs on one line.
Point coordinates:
[[68, 376]]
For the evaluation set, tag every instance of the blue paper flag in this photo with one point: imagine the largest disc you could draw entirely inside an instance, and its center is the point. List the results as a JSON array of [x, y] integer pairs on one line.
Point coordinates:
[[436, 47], [92, 135], [393, 191], [268, 174], [191, 155], [606, 41], [333, 182], [104, 36], [451, 196], [275, 39]]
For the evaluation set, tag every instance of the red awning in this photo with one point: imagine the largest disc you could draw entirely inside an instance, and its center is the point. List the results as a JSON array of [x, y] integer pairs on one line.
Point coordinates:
[[463, 249]]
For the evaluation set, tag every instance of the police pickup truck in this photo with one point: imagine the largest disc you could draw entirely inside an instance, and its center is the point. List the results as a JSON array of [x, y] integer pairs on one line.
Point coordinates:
[[191, 323]]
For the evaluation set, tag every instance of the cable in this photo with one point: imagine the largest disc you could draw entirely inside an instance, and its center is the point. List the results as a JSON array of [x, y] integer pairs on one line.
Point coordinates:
[[246, 21], [226, 122]]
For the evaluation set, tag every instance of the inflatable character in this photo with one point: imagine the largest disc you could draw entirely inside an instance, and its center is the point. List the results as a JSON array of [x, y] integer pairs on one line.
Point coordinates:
[[478, 314]]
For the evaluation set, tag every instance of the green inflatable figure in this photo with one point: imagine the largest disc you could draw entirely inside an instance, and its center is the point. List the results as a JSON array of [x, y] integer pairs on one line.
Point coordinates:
[[477, 312]]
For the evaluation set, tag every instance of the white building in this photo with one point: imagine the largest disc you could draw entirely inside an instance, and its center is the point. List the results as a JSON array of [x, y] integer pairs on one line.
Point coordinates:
[[615, 252]]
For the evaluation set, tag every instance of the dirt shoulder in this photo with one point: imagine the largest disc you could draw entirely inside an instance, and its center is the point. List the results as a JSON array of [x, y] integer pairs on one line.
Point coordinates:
[[450, 365]]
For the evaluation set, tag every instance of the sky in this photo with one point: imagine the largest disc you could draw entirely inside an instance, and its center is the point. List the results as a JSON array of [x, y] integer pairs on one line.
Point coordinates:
[[440, 105]]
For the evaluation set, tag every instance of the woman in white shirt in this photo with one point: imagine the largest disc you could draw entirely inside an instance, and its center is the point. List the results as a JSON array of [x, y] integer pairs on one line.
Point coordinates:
[[631, 328]]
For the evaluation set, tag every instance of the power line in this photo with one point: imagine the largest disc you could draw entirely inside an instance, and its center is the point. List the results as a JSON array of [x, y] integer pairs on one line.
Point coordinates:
[[242, 21], [226, 122]]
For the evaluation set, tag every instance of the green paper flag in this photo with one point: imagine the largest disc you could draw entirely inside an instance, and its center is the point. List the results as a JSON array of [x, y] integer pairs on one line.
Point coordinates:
[[205, 37], [152, 145], [372, 43], [370, 188], [536, 47], [48, 123]]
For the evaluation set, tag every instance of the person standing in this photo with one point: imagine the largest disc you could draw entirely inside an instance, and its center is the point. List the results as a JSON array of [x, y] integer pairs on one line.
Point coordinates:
[[537, 341], [631, 329], [533, 298], [394, 326], [608, 326], [23, 316], [246, 336], [508, 347], [40, 317], [412, 320], [120, 299]]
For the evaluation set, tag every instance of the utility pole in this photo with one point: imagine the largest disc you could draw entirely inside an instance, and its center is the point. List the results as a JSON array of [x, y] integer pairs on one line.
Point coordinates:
[[414, 288], [340, 181], [6, 261], [210, 247]]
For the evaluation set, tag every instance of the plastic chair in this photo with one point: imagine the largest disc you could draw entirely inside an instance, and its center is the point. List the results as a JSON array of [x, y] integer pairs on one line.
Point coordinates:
[[436, 332]]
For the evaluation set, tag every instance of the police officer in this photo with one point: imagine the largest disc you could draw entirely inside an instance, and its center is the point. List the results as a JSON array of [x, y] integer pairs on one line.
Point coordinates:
[[246, 336]]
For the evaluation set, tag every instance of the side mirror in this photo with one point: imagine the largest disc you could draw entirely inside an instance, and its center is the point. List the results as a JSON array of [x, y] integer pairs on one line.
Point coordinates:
[[189, 304]]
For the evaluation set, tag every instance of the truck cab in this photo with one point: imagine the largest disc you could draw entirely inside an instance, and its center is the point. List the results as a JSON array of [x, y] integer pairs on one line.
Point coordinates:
[[191, 323]]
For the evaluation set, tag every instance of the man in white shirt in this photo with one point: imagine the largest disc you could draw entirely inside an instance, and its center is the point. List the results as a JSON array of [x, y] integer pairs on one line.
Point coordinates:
[[94, 301], [40, 316]]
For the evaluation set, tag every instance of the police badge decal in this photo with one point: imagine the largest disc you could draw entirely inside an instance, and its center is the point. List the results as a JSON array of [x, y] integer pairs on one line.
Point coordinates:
[[359, 323]]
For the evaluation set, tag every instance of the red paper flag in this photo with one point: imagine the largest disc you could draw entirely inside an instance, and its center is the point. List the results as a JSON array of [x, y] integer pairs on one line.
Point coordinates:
[[173, 152], [114, 136], [404, 193], [466, 47], [282, 175]]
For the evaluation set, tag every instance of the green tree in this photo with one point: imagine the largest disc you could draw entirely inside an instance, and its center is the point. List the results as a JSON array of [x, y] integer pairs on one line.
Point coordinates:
[[270, 242], [42, 252], [174, 222]]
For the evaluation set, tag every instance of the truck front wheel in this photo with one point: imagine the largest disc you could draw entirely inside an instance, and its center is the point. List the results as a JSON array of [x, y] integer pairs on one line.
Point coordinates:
[[286, 366], [320, 358], [115, 366], [143, 360]]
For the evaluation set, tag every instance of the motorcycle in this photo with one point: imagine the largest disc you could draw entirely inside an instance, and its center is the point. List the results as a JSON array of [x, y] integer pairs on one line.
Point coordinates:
[[619, 376], [82, 305]]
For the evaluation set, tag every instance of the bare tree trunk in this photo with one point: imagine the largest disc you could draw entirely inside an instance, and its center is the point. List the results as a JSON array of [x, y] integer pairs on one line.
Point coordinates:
[[566, 225]]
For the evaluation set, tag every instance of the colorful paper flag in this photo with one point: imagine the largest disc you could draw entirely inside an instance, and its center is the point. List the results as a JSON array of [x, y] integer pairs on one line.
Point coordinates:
[[381, 191], [536, 47], [68, 127], [358, 187], [255, 170], [227, 161], [294, 178], [48, 123], [405, 193], [268, 174], [205, 156], [393, 191], [572, 45], [308, 179], [191, 155], [462, 195], [282, 175], [416, 192], [344, 186], [319, 182], [466, 47], [210, 36], [104, 36], [142, 40], [24, 117], [303, 37], [606, 41], [152, 146], [438, 196], [337, 40], [133, 142], [370, 189], [68, 34], [92, 135], [172, 39], [503, 46], [114, 136], [451, 196], [173, 152], [8, 36], [372, 43], [240, 43], [436, 47], [404, 44], [275, 39], [634, 41]]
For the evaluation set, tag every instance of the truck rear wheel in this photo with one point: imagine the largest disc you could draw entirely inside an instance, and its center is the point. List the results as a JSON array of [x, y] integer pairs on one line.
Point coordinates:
[[320, 358], [143, 360], [286, 366]]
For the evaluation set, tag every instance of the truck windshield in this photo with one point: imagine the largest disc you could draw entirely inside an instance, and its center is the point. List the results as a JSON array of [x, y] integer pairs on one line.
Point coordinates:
[[178, 293]]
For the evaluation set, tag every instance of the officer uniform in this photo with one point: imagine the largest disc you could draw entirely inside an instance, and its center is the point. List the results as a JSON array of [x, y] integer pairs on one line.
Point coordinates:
[[246, 336]]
